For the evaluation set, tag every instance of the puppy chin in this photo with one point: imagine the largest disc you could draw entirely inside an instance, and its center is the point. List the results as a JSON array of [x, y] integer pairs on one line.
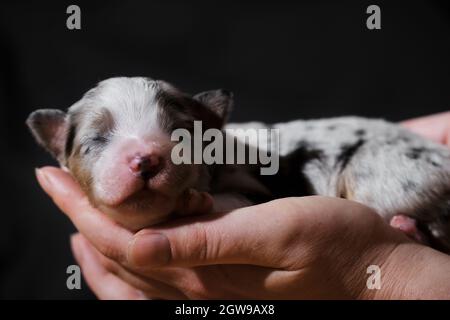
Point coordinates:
[[137, 204], [141, 210]]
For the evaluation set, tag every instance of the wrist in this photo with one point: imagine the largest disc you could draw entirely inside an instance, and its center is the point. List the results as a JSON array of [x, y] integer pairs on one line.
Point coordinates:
[[412, 271], [370, 275]]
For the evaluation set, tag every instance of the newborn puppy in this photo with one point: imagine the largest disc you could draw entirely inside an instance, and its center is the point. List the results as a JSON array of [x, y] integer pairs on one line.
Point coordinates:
[[116, 142]]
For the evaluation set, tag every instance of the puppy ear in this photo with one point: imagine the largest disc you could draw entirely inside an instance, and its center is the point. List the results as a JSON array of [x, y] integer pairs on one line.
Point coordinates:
[[218, 101], [49, 127]]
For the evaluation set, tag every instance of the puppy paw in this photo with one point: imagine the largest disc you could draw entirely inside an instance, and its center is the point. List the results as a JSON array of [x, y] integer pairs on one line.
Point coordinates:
[[194, 202], [408, 226]]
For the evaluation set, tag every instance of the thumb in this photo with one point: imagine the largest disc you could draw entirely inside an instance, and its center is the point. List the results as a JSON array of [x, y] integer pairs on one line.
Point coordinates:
[[257, 235]]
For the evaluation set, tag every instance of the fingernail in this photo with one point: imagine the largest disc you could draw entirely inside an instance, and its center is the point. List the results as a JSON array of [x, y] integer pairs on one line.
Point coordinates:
[[149, 250], [42, 178]]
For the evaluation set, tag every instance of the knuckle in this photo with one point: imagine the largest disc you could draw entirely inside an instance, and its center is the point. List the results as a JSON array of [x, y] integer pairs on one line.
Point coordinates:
[[202, 241], [198, 241]]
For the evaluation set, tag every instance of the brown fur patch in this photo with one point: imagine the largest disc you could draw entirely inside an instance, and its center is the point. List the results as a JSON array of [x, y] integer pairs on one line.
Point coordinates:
[[80, 173], [345, 187]]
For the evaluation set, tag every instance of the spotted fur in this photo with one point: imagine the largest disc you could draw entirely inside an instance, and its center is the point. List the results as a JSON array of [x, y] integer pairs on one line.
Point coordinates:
[[370, 161]]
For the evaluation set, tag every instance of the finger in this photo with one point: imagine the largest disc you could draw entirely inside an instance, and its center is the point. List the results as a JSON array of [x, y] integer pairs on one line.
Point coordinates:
[[153, 288], [259, 235], [108, 237], [435, 127], [104, 284]]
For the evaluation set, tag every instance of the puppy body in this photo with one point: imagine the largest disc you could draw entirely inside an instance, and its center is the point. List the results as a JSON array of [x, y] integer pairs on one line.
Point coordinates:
[[371, 161], [116, 141]]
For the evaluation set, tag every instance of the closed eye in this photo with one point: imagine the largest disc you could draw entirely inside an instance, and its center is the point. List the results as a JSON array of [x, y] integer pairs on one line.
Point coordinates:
[[99, 139], [93, 143]]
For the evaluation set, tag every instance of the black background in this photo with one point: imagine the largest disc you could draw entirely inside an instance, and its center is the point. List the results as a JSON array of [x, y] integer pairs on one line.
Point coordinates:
[[282, 59]]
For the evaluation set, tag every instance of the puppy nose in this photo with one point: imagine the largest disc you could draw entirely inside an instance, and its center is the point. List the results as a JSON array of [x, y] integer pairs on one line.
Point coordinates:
[[145, 166]]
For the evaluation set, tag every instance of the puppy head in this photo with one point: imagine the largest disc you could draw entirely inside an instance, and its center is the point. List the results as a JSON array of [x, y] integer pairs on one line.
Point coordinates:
[[116, 143]]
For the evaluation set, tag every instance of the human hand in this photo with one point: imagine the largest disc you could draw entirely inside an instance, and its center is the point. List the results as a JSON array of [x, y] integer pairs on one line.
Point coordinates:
[[435, 127], [312, 247]]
